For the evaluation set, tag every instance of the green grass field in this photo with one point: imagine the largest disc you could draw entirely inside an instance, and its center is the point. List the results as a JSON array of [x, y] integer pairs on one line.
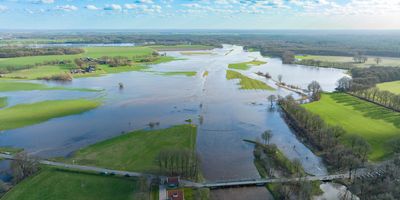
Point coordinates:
[[245, 65], [184, 73], [138, 150], [3, 102], [54, 184], [375, 124], [93, 52], [8, 86], [393, 87], [28, 114], [247, 83], [386, 61]]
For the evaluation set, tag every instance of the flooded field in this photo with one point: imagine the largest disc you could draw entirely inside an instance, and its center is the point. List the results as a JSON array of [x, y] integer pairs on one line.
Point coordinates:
[[225, 115]]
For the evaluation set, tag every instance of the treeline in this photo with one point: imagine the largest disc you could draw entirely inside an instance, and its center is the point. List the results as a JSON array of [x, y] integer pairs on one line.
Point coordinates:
[[179, 162], [369, 77], [386, 186], [324, 137], [384, 98], [326, 64], [11, 52], [270, 43]]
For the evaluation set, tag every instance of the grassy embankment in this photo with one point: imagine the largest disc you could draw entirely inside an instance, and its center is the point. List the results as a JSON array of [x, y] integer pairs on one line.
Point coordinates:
[[195, 53], [377, 125], [138, 150], [28, 114], [245, 65], [247, 83], [386, 61], [393, 87], [9, 86], [135, 53], [3, 102], [58, 184]]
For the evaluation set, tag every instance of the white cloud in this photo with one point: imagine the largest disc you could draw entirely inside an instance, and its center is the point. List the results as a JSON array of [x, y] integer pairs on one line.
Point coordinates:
[[92, 7], [146, 1], [47, 1], [3, 8], [130, 6], [115, 7], [66, 8]]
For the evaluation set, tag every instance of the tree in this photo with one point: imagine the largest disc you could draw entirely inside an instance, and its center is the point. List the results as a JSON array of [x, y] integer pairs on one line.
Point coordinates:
[[23, 166], [315, 90], [395, 144], [378, 60], [271, 98], [288, 57], [266, 136], [280, 78], [344, 84]]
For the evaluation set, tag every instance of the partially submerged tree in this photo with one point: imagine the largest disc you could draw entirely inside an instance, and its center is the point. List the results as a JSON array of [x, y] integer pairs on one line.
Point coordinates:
[[266, 136], [271, 98], [288, 57]]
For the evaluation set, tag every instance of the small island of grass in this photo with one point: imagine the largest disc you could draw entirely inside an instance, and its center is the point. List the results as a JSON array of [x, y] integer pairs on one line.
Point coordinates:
[[28, 114], [3, 102], [247, 83], [10, 86], [246, 65]]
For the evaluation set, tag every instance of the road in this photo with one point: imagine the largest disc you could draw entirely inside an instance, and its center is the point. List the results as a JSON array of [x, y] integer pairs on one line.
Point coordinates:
[[215, 184]]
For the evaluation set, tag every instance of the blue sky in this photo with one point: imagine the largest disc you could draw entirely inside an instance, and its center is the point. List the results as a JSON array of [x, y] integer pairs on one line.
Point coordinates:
[[200, 14]]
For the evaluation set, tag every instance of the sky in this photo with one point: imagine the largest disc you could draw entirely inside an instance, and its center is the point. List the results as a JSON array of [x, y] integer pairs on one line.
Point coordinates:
[[200, 14]]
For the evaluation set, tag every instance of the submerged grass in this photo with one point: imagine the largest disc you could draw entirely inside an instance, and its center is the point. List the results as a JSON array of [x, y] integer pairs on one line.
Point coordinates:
[[3, 102], [246, 65], [247, 83], [28, 114], [376, 124], [58, 184], [138, 150], [9, 86]]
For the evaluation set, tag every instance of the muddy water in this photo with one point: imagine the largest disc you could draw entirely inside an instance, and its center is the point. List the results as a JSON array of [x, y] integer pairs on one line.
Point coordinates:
[[228, 114]]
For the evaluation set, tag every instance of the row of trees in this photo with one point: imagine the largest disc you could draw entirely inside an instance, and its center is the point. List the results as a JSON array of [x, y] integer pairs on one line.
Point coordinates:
[[325, 137], [11, 52], [385, 98], [369, 77], [327, 64], [179, 162]]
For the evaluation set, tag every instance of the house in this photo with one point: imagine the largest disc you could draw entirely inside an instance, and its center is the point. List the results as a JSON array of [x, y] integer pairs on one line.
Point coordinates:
[[175, 195], [173, 182]]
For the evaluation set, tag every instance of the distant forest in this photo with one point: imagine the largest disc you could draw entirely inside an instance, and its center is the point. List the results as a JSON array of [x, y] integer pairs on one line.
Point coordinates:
[[272, 43]]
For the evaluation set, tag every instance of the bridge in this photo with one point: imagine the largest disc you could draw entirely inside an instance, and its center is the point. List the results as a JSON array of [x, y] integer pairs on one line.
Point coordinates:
[[362, 173]]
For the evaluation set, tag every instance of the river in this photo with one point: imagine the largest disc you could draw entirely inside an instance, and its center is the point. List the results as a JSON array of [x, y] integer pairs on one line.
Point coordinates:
[[228, 114]]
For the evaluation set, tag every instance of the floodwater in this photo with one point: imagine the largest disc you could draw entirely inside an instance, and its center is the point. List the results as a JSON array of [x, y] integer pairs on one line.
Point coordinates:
[[225, 115]]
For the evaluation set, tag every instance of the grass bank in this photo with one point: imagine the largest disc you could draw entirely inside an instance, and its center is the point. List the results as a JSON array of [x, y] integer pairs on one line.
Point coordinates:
[[393, 87], [9, 86], [246, 65], [52, 184], [184, 73], [247, 83], [3, 102], [377, 125], [28, 114], [138, 150]]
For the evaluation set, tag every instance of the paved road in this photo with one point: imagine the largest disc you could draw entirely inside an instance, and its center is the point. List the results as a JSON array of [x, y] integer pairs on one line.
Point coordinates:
[[86, 168]]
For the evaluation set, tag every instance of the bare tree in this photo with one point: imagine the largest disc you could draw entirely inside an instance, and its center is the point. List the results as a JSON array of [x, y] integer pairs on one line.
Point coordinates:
[[23, 166], [280, 78], [266, 136], [288, 57], [315, 90], [378, 60], [271, 98]]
